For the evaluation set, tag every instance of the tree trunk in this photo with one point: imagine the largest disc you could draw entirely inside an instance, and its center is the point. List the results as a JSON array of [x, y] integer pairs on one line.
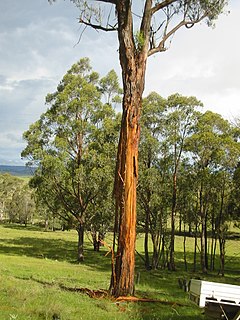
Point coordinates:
[[80, 230], [213, 240], [126, 182], [133, 57], [147, 261], [171, 265], [96, 242], [195, 247], [184, 248], [203, 246], [222, 235], [125, 191], [206, 240], [156, 241], [202, 232], [222, 242]]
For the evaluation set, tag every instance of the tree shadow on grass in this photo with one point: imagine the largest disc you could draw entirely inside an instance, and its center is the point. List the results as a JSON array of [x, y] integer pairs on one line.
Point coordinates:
[[24, 227], [54, 249], [159, 284]]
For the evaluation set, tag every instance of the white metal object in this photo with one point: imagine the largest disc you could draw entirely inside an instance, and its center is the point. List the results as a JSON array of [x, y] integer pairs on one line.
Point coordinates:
[[204, 291]]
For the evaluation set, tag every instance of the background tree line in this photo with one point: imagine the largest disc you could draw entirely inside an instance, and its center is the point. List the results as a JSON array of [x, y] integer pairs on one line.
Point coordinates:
[[188, 169], [17, 203]]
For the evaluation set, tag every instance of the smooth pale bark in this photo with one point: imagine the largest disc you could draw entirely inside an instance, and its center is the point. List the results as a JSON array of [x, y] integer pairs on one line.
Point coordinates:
[[80, 230]]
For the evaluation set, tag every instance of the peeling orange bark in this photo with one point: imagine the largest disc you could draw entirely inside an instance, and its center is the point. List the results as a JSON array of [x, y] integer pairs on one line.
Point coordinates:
[[133, 63], [125, 191]]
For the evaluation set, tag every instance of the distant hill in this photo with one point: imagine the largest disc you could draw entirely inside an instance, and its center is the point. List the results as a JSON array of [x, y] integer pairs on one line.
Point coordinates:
[[20, 171]]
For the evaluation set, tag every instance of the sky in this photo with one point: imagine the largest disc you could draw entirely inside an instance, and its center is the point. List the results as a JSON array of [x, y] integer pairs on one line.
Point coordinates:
[[39, 42]]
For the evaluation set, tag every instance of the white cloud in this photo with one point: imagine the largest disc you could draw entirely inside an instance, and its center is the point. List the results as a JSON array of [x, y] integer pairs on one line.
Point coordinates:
[[38, 44], [203, 62]]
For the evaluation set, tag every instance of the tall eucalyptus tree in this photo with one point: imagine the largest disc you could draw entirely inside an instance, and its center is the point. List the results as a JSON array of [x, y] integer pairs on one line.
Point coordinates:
[[144, 28], [152, 179], [215, 153], [73, 149], [180, 121]]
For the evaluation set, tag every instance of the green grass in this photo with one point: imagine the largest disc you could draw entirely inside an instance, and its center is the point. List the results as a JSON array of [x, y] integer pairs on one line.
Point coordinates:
[[36, 265]]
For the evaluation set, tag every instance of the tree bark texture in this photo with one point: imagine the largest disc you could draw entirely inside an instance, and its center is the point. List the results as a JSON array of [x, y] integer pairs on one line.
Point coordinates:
[[125, 192], [133, 63]]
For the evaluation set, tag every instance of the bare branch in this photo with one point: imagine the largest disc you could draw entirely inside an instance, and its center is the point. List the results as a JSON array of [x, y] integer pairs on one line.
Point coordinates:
[[108, 1], [80, 37], [96, 26], [161, 45], [162, 5]]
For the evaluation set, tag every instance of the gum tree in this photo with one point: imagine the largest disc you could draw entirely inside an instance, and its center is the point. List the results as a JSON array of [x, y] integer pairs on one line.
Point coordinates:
[[179, 123], [144, 28], [214, 154], [72, 145], [152, 199]]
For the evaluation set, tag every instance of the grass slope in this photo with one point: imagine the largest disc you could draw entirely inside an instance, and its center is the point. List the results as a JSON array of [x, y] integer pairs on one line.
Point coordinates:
[[36, 265]]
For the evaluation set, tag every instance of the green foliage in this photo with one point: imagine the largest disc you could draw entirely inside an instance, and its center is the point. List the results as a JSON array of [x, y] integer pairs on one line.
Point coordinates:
[[74, 145], [109, 86], [139, 40], [196, 151], [17, 200]]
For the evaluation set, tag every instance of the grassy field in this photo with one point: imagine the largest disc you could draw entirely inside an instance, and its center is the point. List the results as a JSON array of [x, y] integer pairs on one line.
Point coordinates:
[[38, 269]]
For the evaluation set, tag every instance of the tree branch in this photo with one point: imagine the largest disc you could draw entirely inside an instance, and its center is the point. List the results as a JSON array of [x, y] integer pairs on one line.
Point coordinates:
[[162, 5], [108, 1], [146, 22], [96, 26], [161, 44]]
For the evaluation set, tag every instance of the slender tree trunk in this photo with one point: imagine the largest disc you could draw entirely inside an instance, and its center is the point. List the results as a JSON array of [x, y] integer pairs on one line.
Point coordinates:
[[195, 248], [180, 223], [184, 248], [46, 224], [202, 232], [214, 251], [206, 239], [101, 237], [213, 237], [156, 241], [222, 242], [203, 247], [96, 243], [80, 231], [221, 235], [147, 261], [171, 265], [164, 252]]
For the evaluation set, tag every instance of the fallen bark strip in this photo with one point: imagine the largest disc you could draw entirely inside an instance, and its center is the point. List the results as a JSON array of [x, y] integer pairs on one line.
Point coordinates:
[[96, 294], [136, 299], [101, 293]]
